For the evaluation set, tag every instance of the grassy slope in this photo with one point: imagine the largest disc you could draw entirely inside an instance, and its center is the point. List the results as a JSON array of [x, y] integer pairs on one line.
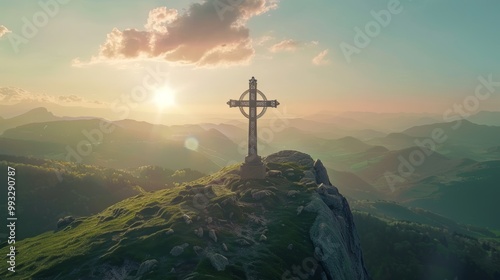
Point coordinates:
[[134, 230]]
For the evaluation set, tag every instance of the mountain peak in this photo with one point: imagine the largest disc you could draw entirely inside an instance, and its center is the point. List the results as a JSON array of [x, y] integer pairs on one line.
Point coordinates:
[[36, 113], [219, 227]]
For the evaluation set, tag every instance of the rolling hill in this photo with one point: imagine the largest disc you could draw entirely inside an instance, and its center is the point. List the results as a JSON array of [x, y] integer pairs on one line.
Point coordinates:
[[49, 190], [467, 194], [463, 133], [240, 229], [88, 141]]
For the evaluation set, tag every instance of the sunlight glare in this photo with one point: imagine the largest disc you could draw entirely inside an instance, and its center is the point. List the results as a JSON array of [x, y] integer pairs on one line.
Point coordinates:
[[164, 97]]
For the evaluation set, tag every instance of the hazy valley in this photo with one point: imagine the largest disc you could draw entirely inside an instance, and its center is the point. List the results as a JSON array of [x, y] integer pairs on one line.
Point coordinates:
[[398, 174]]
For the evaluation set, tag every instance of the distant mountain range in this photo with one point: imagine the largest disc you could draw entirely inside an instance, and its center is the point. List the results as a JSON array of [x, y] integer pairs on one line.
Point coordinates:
[[486, 118], [360, 164], [32, 116]]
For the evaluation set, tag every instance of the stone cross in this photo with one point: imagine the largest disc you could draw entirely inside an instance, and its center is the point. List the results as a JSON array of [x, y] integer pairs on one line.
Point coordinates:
[[253, 168]]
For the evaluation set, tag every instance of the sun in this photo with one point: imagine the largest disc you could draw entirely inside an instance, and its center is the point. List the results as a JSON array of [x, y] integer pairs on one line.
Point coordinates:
[[164, 97]]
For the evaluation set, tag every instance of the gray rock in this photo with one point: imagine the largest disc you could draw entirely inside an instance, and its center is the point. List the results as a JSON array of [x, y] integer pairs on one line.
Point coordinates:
[[262, 237], [292, 193], [177, 199], [199, 232], [274, 173], [213, 235], [208, 191], [177, 250], [321, 174], [187, 219], [327, 189], [330, 195], [310, 184], [218, 261], [147, 267], [197, 249], [302, 159], [209, 220], [258, 195], [243, 242], [308, 174], [299, 209], [169, 231], [335, 239], [64, 222]]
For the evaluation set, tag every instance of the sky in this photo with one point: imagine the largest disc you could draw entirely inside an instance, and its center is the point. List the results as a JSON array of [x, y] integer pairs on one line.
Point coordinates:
[[154, 60]]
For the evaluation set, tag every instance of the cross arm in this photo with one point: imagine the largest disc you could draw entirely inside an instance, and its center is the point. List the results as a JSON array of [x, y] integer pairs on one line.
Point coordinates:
[[238, 103], [246, 103], [267, 103]]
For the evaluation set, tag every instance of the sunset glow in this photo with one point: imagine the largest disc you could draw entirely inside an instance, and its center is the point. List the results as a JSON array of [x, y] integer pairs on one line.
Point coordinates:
[[164, 98]]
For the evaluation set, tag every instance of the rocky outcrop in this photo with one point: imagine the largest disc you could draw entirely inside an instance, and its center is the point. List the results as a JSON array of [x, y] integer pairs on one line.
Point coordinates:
[[336, 243], [291, 156]]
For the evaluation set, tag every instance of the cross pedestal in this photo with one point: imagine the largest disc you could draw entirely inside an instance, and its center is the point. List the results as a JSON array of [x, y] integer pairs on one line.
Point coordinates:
[[253, 168]]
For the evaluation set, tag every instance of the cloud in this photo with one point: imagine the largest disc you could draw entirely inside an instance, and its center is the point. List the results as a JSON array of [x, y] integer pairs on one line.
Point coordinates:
[[321, 59], [13, 95], [205, 35], [264, 39], [3, 31], [285, 45]]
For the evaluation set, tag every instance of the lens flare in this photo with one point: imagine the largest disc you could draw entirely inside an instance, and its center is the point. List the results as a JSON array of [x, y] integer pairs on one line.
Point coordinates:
[[191, 143]]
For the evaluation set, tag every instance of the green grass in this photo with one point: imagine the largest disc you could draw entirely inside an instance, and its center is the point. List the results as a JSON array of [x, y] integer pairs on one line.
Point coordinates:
[[134, 230]]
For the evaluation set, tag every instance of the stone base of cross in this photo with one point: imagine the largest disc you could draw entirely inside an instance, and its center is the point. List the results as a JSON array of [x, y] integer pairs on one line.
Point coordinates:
[[253, 168]]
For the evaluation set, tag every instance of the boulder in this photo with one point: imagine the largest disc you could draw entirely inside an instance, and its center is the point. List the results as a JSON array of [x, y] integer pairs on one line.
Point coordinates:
[[199, 232], [187, 219], [64, 222], [287, 156], [299, 209], [274, 173], [177, 250], [198, 250], [218, 261], [213, 235], [147, 267], [258, 195]]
